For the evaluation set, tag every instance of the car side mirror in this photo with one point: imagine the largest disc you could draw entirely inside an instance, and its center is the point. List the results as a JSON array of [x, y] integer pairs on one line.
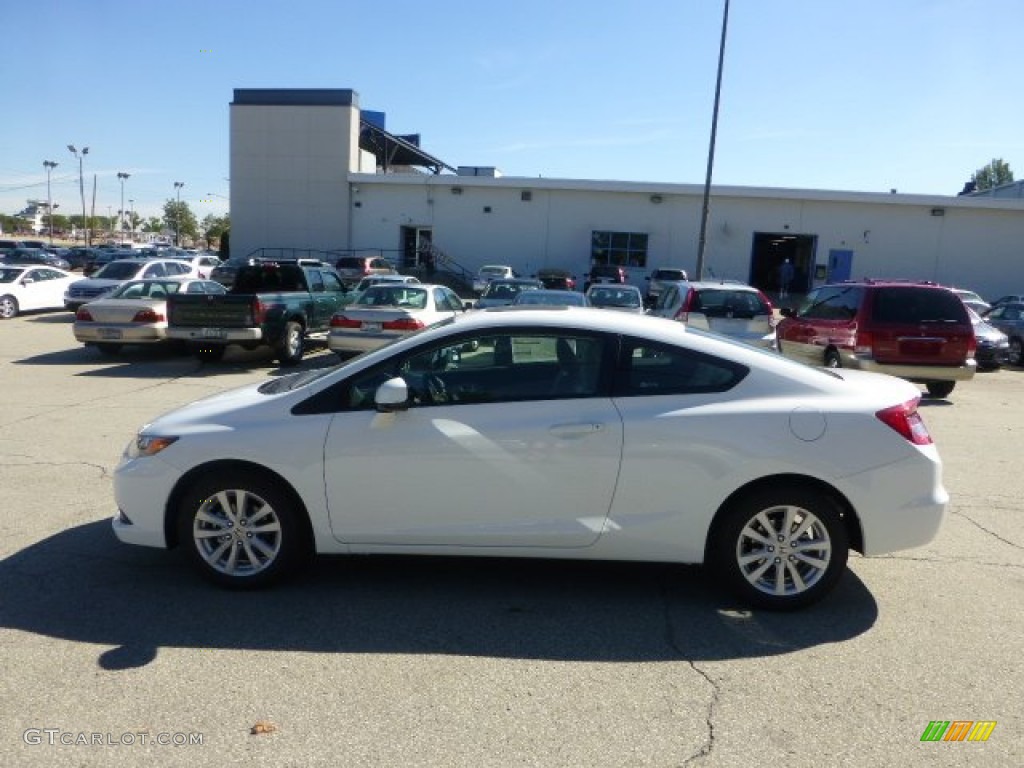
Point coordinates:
[[28, 281], [392, 396], [787, 312]]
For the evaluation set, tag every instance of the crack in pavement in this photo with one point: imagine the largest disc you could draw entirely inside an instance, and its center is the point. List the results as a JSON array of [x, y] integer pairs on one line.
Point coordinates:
[[30, 462], [709, 717], [991, 533], [196, 368], [961, 560]]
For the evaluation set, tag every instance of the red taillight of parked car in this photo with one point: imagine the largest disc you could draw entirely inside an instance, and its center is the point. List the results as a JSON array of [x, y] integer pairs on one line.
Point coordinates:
[[148, 316], [907, 421], [340, 321], [83, 315], [767, 302], [259, 312], [864, 344], [403, 324]]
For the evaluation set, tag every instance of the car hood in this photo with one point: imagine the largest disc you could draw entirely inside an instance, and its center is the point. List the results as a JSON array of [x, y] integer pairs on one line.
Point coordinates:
[[218, 412], [97, 282]]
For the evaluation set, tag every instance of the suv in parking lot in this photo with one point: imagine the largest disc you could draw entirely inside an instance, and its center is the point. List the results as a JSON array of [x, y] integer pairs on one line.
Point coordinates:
[[729, 308], [352, 269], [657, 279], [606, 273], [917, 331]]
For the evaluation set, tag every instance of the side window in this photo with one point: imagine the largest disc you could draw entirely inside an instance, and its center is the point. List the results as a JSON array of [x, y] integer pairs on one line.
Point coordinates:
[[154, 270], [648, 368], [498, 368], [316, 282], [667, 298], [818, 304], [332, 282]]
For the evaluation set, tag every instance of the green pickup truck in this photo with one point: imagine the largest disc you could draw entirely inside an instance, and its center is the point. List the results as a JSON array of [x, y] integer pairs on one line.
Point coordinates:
[[278, 304]]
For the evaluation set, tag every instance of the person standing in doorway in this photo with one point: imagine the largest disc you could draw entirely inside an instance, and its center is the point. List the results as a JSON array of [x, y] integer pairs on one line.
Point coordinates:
[[785, 278]]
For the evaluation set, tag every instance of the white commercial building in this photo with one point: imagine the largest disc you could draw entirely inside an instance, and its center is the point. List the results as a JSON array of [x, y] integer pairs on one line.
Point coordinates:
[[312, 172]]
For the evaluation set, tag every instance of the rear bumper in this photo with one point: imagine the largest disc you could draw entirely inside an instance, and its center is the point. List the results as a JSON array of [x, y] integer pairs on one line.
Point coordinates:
[[920, 373], [216, 335]]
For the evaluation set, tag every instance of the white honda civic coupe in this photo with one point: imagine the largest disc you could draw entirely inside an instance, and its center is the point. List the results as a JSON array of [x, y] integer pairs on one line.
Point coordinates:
[[592, 435]]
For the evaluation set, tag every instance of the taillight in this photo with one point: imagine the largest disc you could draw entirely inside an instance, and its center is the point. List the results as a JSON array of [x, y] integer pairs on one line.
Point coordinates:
[[907, 421], [259, 312], [864, 344], [767, 303], [83, 315], [683, 315], [972, 345], [148, 316], [340, 321], [403, 324]]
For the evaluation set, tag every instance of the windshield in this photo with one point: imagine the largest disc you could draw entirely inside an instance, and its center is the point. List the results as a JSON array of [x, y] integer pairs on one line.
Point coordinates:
[[146, 289], [402, 296], [611, 297], [119, 270], [506, 290]]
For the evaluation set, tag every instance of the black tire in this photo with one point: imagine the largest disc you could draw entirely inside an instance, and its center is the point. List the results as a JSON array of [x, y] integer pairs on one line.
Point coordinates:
[[242, 530], [788, 573], [292, 346], [1016, 353], [940, 388], [209, 353], [832, 359], [8, 307], [108, 350]]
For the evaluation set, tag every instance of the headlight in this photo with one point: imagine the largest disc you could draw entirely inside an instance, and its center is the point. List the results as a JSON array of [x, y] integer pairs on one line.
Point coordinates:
[[147, 445]]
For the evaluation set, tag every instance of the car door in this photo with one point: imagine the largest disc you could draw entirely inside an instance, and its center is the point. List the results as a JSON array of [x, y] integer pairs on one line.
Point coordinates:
[[33, 294], [502, 459], [328, 294]]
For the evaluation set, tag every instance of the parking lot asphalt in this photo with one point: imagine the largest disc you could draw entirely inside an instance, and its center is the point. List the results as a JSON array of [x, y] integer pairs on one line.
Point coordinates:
[[109, 649]]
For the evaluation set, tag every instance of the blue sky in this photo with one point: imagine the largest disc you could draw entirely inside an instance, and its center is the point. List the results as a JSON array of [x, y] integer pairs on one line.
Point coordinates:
[[871, 95]]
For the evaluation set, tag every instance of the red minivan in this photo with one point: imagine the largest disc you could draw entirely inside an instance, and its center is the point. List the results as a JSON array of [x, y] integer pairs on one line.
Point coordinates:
[[916, 331]]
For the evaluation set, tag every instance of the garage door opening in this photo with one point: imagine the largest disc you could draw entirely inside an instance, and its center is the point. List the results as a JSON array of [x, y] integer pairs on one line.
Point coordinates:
[[770, 251]]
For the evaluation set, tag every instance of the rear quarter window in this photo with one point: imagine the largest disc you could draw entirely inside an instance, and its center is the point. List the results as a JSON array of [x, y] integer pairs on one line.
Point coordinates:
[[917, 305]]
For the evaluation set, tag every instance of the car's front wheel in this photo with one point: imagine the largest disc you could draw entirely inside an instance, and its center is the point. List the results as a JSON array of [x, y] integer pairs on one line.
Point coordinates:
[[241, 529], [940, 388], [1016, 354], [8, 307], [781, 548]]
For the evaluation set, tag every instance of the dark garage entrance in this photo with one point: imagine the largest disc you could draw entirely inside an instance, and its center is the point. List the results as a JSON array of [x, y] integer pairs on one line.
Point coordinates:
[[771, 250]]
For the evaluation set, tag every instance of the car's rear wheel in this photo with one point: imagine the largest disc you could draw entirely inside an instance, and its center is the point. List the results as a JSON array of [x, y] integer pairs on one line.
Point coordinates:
[[940, 388], [242, 530], [8, 307], [292, 345], [781, 548], [832, 359], [1016, 353]]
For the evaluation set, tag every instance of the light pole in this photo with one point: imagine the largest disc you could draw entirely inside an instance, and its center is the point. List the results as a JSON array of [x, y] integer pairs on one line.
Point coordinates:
[[132, 219], [49, 165], [81, 189], [122, 177], [177, 214]]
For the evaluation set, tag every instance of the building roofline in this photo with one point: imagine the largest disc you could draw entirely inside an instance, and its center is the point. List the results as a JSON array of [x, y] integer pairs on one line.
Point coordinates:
[[689, 190]]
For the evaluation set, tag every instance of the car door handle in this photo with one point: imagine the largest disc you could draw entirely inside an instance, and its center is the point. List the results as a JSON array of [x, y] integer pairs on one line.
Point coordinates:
[[574, 431]]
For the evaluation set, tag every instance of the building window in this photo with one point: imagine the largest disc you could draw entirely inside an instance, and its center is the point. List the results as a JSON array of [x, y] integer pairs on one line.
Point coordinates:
[[621, 249]]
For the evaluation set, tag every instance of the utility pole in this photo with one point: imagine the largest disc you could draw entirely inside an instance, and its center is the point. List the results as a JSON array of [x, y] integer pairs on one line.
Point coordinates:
[[705, 210], [81, 189]]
